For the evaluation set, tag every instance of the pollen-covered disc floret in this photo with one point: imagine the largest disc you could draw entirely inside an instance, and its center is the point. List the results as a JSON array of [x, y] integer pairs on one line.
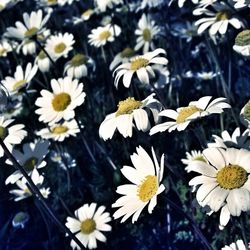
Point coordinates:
[[128, 106]]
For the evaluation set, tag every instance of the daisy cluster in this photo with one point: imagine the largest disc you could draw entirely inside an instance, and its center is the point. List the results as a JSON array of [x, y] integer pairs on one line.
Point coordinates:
[[125, 111]]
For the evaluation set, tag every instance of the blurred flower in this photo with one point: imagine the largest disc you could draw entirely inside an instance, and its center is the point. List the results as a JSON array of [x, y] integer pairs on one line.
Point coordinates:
[[63, 159], [181, 2], [205, 76], [224, 181], [242, 43], [184, 115], [20, 219], [146, 32], [59, 132], [161, 76], [5, 47], [146, 176], [11, 135], [102, 5], [21, 78], [101, 35], [54, 2], [24, 192], [43, 62], [194, 155], [245, 115], [141, 65], [128, 112], [60, 104], [85, 16], [31, 158], [59, 45], [150, 3], [88, 224], [241, 3], [184, 30], [238, 245]]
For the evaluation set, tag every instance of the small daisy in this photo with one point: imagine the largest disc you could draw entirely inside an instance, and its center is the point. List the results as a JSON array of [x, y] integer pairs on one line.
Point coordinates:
[[21, 78], [237, 140], [24, 192], [11, 135], [60, 104], [206, 76], [103, 34], [194, 155], [218, 20], [130, 111], [242, 43], [88, 224], [150, 3], [184, 115], [59, 132], [43, 62], [241, 4], [238, 245], [5, 48], [102, 5], [59, 45], [141, 65], [63, 159], [85, 16], [32, 157], [146, 176], [224, 181], [146, 32], [245, 115]]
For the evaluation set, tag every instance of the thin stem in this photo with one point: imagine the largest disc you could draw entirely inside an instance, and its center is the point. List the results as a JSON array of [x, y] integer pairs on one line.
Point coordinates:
[[242, 227], [36, 192]]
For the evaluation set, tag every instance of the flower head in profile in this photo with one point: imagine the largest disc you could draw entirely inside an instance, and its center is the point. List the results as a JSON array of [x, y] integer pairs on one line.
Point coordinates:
[[103, 5], [194, 155], [60, 104], [141, 65], [242, 43], [146, 176], [245, 114], [184, 115], [88, 225], [241, 4], [43, 62], [5, 47], [103, 34], [223, 182], [238, 245], [130, 113]]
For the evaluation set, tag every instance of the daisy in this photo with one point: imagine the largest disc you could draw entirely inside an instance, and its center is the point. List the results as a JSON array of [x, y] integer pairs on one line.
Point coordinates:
[[24, 191], [242, 43], [146, 32], [238, 245], [102, 5], [194, 155], [141, 65], [85, 16], [184, 115], [150, 3], [5, 47], [59, 132], [32, 157], [146, 176], [20, 220], [11, 135], [60, 104], [21, 78], [224, 181], [103, 34], [130, 111], [241, 3], [59, 45], [245, 114], [88, 224], [181, 2], [77, 66], [63, 159], [237, 140], [43, 62], [218, 20], [206, 76]]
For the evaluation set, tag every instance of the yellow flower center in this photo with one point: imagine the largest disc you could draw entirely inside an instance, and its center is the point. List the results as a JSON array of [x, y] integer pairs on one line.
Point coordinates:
[[127, 53], [104, 35], [30, 164], [87, 13], [148, 188], [19, 84], [243, 38], [78, 59], [223, 15], [3, 51], [1, 7], [199, 158], [31, 32], [139, 63], [146, 35], [42, 55], [59, 48], [88, 226], [51, 1], [246, 112], [61, 101], [128, 106], [186, 112], [60, 130], [3, 132], [231, 177]]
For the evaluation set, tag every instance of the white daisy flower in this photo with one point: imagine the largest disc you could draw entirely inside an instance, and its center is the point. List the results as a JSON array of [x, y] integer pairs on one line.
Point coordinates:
[[194, 155], [205, 76], [218, 20], [146, 32], [85, 16], [245, 115], [59, 45], [102, 5], [146, 176], [88, 225], [238, 245], [242, 43], [59, 132], [184, 115], [150, 3], [60, 104], [5, 47], [24, 191], [224, 181], [21, 78], [141, 65], [241, 4], [181, 2], [43, 62], [11, 135], [103, 34], [32, 157], [130, 111], [237, 140]]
